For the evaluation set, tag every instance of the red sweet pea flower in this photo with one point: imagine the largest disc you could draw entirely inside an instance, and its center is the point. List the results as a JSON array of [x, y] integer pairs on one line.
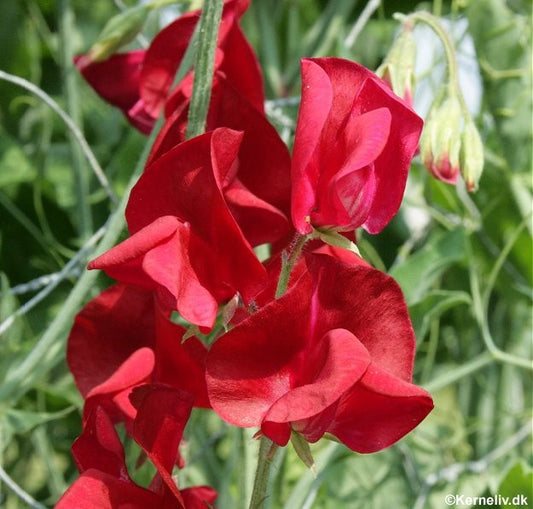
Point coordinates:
[[334, 354], [257, 187], [235, 59], [121, 339], [117, 81], [354, 143], [104, 483], [185, 243], [139, 82]]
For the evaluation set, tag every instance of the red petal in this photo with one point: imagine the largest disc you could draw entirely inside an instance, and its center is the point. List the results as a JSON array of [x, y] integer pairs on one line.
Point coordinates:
[[252, 366], [316, 102], [184, 183], [241, 68], [392, 165], [378, 411], [338, 361], [257, 185], [181, 365], [166, 52], [117, 81], [269, 354], [347, 187], [112, 394], [99, 447], [162, 413], [105, 334], [99, 490], [158, 257], [162, 60], [199, 497], [381, 322], [328, 144]]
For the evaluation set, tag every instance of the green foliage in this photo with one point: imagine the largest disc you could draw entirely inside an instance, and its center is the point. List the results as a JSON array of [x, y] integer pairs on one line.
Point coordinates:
[[518, 481], [466, 269]]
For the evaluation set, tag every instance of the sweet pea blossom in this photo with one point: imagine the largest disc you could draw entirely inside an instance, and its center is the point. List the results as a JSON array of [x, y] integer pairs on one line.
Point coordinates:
[[105, 483], [139, 82], [122, 339], [333, 355], [353, 146], [257, 188], [185, 244]]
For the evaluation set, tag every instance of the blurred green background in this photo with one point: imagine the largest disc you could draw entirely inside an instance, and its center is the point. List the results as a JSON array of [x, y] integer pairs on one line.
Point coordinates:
[[464, 261]]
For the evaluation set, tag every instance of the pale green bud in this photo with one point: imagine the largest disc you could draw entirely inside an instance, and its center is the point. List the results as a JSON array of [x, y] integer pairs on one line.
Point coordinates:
[[441, 141], [472, 157], [122, 29], [119, 31], [398, 68]]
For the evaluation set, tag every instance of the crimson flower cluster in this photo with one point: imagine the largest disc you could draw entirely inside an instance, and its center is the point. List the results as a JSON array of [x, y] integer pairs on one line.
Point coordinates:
[[333, 355]]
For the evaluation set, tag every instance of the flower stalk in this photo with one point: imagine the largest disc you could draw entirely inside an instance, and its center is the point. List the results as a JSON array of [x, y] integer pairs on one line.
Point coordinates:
[[288, 262], [267, 451], [204, 66]]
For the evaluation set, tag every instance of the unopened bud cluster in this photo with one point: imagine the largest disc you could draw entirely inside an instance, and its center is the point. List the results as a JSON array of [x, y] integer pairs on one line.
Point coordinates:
[[451, 145]]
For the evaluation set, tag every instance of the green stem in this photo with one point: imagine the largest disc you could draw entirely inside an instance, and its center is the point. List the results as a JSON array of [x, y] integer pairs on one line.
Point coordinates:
[[367, 12], [267, 450], [434, 24], [437, 7], [204, 66], [461, 372], [81, 180], [288, 262], [451, 61], [432, 349], [481, 316]]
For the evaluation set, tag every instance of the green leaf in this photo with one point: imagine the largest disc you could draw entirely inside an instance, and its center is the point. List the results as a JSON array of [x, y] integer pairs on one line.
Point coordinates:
[[517, 483], [16, 167], [421, 270]]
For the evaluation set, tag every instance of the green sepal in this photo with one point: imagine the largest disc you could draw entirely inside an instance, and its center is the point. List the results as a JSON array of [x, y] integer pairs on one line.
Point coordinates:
[[191, 331], [301, 446], [334, 238]]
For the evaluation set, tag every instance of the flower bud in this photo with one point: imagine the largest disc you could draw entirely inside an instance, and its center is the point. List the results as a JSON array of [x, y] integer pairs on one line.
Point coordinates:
[[119, 31], [441, 140], [472, 158], [398, 68]]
